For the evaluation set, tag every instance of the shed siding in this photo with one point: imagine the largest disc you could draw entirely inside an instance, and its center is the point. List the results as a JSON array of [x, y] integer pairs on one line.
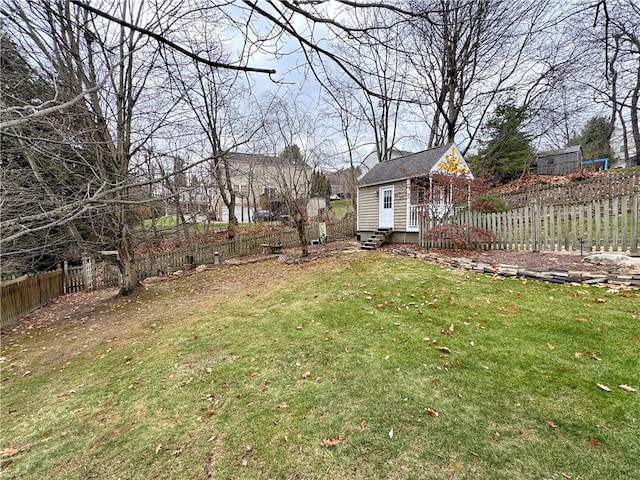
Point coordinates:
[[367, 209], [400, 206], [561, 164]]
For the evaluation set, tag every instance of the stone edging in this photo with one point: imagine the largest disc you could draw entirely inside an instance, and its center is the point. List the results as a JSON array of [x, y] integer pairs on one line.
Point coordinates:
[[566, 277]]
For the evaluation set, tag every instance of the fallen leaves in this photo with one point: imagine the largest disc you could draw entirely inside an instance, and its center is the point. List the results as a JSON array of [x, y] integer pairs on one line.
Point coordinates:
[[158, 448], [8, 452], [177, 451], [306, 375], [550, 346], [592, 441], [328, 443], [603, 387], [431, 412], [362, 423], [593, 355], [627, 388], [552, 424]]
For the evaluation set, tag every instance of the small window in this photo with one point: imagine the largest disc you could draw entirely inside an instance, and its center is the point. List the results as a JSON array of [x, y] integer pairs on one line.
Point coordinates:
[[388, 199]]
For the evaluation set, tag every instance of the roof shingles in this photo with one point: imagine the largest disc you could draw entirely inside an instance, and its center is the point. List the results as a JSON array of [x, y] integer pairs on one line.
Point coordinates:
[[410, 166]]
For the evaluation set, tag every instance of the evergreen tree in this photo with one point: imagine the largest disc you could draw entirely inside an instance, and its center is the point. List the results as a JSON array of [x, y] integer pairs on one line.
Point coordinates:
[[320, 185], [506, 151], [292, 153], [594, 139]]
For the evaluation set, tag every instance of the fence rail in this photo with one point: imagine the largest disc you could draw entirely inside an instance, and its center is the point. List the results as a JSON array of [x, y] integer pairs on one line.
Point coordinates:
[[594, 189], [153, 264], [605, 225], [26, 294]]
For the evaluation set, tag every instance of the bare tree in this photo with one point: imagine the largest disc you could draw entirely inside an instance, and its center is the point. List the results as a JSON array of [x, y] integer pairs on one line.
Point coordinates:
[[80, 53]]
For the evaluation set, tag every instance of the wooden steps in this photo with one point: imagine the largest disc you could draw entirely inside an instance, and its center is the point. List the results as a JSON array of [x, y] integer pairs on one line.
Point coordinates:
[[377, 239]]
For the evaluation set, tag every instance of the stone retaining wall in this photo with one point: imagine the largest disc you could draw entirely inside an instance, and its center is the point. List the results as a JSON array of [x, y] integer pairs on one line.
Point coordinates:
[[605, 278]]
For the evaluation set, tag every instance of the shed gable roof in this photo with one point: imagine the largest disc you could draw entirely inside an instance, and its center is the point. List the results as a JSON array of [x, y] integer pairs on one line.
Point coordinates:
[[410, 166], [560, 151]]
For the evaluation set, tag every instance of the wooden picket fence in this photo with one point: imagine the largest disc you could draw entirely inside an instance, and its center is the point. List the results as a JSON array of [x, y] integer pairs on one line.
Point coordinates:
[[606, 225], [154, 264], [594, 189], [28, 293]]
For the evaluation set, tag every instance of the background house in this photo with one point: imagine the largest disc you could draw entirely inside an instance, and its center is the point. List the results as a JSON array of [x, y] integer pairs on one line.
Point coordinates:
[[560, 162], [372, 160], [623, 157], [344, 181], [394, 194], [259, 182]]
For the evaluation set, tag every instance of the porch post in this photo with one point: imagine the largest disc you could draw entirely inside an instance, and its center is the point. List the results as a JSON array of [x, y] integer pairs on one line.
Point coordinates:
[[408, 220]]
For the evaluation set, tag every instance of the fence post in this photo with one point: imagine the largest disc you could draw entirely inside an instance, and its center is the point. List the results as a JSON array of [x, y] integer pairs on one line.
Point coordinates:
[[89, 273], [634, 221], [65, 276], [535, 227]]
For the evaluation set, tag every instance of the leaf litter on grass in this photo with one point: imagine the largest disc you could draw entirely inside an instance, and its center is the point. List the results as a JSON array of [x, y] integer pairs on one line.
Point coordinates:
[[241, 400]]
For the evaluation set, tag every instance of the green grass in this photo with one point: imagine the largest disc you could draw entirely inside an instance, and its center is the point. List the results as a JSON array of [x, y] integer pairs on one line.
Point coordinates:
[[341, 207], [244, 371], [168, 222]]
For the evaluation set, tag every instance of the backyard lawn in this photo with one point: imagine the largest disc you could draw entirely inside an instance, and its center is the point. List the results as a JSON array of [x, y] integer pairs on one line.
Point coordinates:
[[360, 365]]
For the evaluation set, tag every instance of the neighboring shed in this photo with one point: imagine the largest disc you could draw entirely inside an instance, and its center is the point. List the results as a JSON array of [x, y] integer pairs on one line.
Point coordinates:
[[560, 162], [393, 194]]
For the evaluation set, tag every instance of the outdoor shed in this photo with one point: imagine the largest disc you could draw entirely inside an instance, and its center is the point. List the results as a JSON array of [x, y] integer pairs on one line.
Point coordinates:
[[393, 194], [560, 162]]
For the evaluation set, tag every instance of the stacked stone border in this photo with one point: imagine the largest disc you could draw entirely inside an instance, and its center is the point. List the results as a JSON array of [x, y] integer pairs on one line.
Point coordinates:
[[603, 278]]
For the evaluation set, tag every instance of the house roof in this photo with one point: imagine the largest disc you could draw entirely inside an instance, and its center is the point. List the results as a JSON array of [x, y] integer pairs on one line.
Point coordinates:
[[260, 159], [560, 151], [410, 166]]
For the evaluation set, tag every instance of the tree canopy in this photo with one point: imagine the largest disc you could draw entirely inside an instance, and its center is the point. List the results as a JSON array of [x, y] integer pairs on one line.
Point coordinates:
[[506, 151], [594, 138]]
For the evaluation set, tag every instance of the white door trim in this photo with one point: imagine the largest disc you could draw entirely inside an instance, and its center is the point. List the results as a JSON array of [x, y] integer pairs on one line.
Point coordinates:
[[385, 207]]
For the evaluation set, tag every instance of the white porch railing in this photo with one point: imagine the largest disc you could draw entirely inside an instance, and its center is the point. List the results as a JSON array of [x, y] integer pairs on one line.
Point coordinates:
[[438, 210], [415, 211]]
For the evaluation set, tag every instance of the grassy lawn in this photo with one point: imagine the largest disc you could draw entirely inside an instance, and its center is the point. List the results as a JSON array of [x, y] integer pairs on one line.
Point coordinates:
[[341, 207], [331, 369]]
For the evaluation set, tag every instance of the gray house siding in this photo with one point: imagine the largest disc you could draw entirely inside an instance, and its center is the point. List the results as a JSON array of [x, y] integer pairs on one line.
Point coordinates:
[[560, 162]]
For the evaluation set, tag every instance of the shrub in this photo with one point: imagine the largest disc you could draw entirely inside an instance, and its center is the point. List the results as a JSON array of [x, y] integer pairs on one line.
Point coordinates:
[[490, 203], [461, 236]]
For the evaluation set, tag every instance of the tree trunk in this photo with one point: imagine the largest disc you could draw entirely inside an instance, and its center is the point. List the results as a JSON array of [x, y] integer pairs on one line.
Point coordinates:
[[302, 235], [635, 125], [126, 263]]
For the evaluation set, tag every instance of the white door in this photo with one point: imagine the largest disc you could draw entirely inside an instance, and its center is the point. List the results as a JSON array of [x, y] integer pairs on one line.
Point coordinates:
[[386, 207]]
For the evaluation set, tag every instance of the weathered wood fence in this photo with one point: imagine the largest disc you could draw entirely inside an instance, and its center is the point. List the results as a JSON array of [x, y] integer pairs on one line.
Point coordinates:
[[594, 189], [26, 294], [152, 264], [609, 225]]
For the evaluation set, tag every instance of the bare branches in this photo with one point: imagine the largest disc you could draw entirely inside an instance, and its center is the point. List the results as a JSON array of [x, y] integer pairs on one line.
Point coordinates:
[[161, 39]]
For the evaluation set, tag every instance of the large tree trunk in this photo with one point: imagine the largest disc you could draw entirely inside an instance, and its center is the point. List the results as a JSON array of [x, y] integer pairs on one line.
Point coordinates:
[[126, 262], [302, 235], [635, 125]]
